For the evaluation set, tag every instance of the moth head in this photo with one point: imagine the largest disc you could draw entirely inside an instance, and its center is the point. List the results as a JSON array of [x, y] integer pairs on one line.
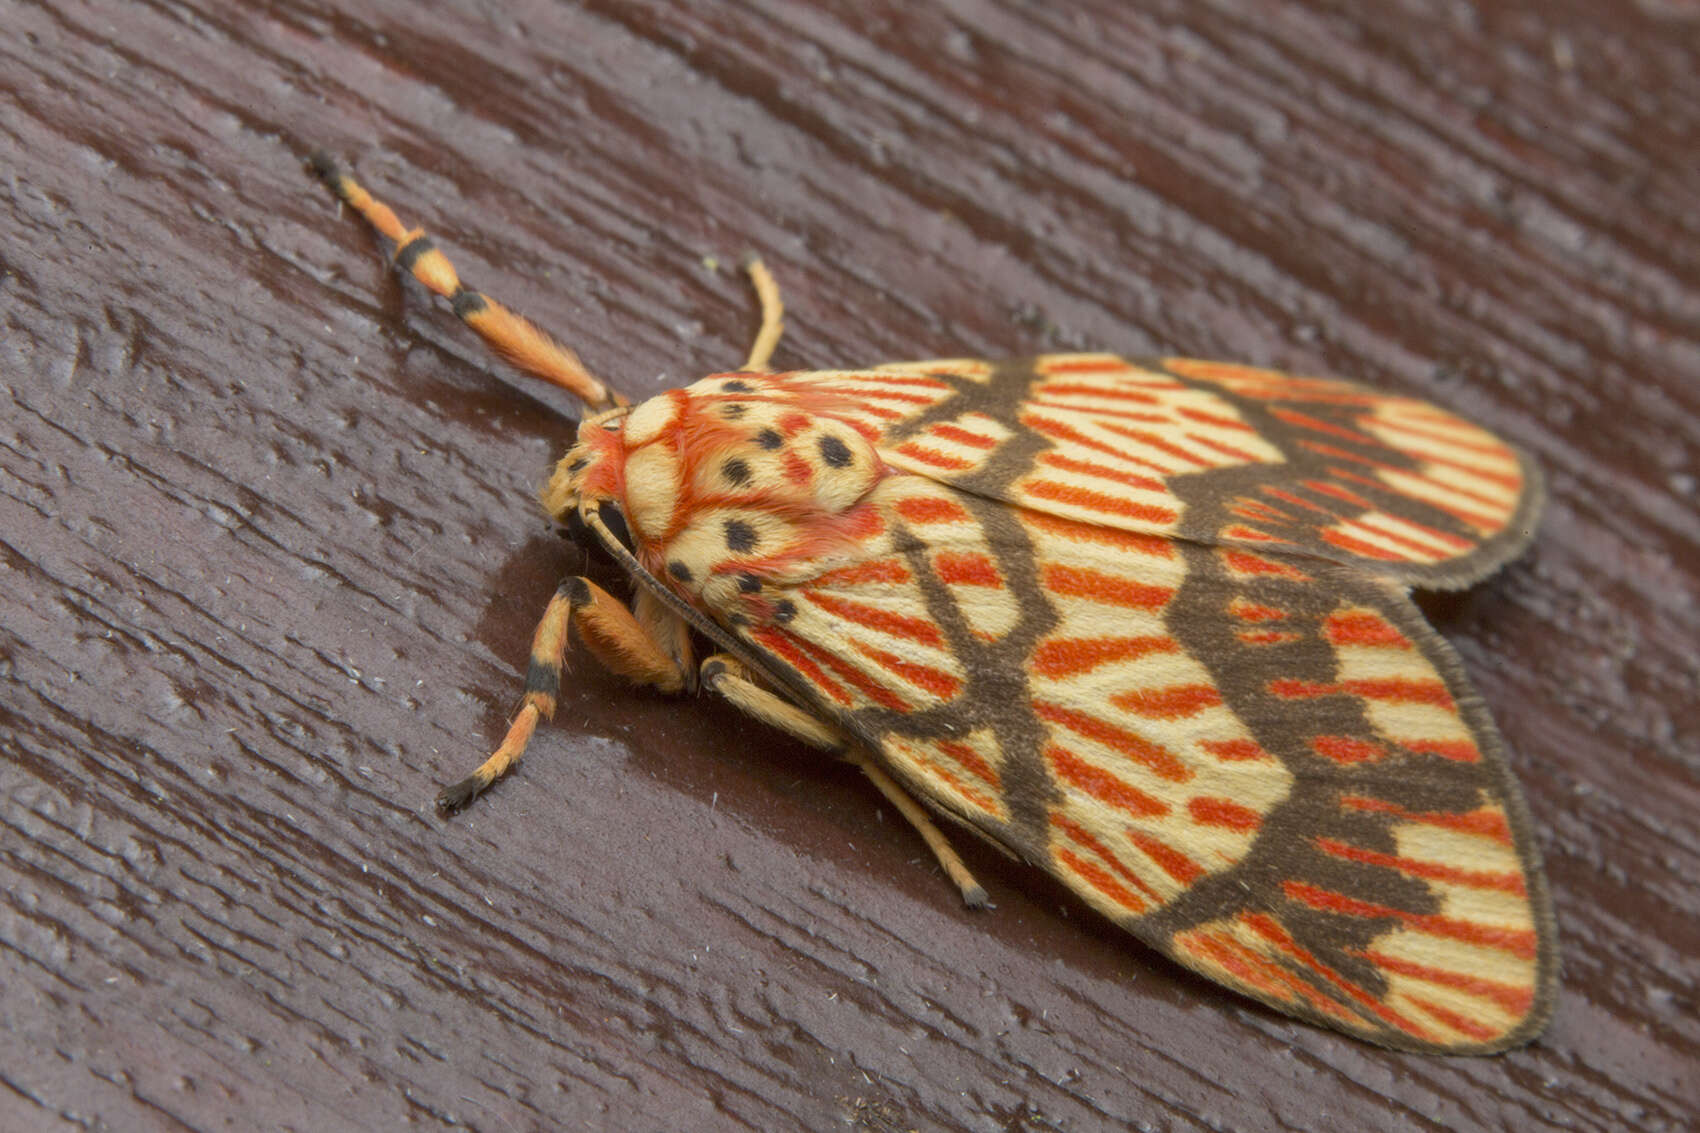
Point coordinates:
[[585, 468], [624, 474]]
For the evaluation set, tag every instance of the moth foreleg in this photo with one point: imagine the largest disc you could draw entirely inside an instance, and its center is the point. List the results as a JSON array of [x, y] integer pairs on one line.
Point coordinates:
[[614, 636], [670, 632], [639, 648], [727, 676], [772, 314], [516, 339]]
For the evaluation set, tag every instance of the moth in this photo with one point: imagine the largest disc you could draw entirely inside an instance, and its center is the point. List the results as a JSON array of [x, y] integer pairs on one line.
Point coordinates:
[[1144, 624]]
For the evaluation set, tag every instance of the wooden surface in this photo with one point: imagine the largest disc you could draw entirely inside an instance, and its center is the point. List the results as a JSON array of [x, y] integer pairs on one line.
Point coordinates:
[[269, 556]]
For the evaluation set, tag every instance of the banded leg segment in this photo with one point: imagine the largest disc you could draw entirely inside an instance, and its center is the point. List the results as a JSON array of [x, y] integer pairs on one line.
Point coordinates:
[[727, 676], [619, 641], [614, 637], [514, 338]]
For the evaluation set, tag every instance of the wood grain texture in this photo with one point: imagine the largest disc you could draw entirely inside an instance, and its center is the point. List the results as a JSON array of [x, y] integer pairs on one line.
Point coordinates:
[[269, 556]]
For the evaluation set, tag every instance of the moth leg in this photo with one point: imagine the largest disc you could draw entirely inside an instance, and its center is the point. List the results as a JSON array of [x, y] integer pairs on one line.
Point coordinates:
[[727, 676], [668, 631], [772, 314], [973, 893], [614, 636], [514, 338]]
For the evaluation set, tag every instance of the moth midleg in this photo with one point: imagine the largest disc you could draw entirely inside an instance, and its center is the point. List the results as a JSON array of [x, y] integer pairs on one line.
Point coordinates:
[[517, 340], [772, 314], [727, 676], [614, 637]]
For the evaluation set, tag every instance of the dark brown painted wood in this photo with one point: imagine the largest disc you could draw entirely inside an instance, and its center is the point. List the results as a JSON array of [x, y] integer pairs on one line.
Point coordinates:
[[269, 558]]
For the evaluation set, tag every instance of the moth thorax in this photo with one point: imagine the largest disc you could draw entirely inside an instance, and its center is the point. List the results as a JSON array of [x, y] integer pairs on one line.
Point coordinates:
[[653, 471], [788, 459]]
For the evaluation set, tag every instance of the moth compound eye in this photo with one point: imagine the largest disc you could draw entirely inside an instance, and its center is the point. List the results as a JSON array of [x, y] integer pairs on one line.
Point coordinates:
[[577, 532], [609, 513]]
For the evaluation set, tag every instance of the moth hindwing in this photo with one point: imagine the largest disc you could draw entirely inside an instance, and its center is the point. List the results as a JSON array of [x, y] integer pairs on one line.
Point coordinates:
[[1144, 622]]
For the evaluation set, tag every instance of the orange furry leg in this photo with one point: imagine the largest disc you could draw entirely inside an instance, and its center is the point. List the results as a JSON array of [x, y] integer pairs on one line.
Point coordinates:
[[614, 637]]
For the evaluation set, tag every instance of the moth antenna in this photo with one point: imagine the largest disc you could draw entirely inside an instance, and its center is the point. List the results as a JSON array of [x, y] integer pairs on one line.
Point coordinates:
[[772, 313], [517, 340]]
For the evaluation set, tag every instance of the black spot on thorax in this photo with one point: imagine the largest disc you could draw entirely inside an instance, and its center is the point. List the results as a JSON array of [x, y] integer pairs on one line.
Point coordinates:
[[740, 536], [835, 452]]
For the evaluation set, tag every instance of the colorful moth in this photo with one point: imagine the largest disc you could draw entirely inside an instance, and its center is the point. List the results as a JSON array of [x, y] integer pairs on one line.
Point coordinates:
[[1142, 623]]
